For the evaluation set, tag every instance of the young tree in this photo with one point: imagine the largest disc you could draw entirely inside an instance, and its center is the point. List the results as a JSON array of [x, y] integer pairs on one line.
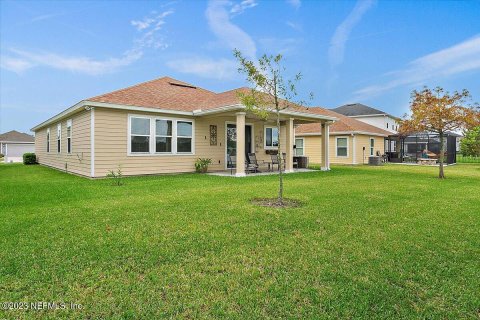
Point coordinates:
[[270, 92], [438, 111]]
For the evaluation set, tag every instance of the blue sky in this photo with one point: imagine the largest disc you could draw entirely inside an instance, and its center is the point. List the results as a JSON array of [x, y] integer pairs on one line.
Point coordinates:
[[54, 54]]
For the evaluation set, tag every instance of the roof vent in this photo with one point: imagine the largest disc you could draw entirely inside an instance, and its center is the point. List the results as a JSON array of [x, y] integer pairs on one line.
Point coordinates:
[[182, 85]]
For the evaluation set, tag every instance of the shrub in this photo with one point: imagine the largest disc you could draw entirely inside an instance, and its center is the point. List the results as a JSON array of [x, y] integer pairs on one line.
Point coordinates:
[[116, 176], [201, 165], [29, 158], [470, 144]]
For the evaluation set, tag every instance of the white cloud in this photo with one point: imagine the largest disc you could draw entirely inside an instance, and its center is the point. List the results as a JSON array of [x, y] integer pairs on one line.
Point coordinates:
[[207, 68], [16, 65], [149, 38], [294, 26], [230, 34], [284, 46], [462, 57], [242, 6], [336, 50], [295, 3], [83, 65]]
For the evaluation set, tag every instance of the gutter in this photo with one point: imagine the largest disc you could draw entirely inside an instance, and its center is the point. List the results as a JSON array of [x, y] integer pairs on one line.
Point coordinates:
[[86, 103]]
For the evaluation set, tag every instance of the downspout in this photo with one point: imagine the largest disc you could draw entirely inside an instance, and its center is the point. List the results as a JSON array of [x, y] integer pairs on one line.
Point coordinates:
[[354, 157], [92, 140]]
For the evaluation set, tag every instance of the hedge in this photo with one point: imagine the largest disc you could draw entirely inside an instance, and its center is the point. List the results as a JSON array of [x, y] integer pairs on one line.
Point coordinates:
[[29, 158]]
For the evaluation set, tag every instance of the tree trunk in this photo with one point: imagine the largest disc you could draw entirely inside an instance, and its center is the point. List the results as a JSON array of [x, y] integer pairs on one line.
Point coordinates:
[[280, 162], [441, 173]]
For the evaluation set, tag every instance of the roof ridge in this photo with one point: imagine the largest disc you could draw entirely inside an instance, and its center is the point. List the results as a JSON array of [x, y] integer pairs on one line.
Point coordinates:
[[146, 82]]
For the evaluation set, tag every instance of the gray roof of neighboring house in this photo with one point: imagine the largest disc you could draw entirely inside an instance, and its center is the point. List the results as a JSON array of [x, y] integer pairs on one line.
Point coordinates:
[[357, 109], [15, 136]]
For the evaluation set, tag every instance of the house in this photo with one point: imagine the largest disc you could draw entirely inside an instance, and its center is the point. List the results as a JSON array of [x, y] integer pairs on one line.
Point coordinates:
[[350, 141], [14, 144], [370, 115], [163, 126]]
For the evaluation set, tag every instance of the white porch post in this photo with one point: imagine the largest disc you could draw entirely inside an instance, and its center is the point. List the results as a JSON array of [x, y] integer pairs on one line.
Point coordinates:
[[289, 145], [240, 170], [325, 146]]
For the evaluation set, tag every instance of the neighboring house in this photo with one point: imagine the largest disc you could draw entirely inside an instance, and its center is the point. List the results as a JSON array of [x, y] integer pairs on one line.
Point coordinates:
[[163, 126], [370, 115], [350, 142], [14, 144]]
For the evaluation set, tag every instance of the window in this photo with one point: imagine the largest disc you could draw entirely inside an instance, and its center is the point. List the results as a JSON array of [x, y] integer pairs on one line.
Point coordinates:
[[69, 136], [372, 146], [299, 147], [184, 136], [163, 136], [59, 137], [140, 135], [48, 140], [271, 137], [152, 135], [342, 147], [387, 125]]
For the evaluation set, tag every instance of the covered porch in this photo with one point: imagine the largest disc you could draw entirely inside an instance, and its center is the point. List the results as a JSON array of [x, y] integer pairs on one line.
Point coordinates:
[[258, 142]]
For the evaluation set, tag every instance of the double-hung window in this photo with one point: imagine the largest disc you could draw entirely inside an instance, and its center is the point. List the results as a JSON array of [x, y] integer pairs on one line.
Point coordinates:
[[140, 135], [271, 137], [342, 147], [48, 140], [59, 137], [299, 151], [184, 136], [69, 136], [152, 135], [372, 146], [163, 136]]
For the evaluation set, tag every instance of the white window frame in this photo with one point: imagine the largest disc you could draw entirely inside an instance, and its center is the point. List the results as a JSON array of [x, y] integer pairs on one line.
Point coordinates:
[[265, 138], [303, 147], [175, 122], [372, 149], [59, 138], [69, 137], [152, 145], [48, 140], [336, 146], [162, 136]]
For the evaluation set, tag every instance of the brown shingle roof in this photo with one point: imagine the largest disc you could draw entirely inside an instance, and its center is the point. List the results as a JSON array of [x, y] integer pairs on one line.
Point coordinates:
[[162, 93], [16, 136], [171, 94], [344, 124]]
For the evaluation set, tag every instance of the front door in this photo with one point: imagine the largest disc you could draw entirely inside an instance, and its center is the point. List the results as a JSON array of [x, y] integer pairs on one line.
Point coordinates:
[[232, 140]]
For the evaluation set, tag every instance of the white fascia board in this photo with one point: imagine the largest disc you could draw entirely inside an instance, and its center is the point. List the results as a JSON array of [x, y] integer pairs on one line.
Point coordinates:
[[19, 142], [232, 107], [342, 133], [86, 103], [307, 115]]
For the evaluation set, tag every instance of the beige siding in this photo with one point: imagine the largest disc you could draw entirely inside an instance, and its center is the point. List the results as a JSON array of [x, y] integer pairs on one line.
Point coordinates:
[[313, 148], [79, 160], [111, 145]]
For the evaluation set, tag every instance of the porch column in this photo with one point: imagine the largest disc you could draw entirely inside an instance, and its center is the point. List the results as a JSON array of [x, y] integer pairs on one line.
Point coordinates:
[[290, 141], [240, 170], [325, 146]]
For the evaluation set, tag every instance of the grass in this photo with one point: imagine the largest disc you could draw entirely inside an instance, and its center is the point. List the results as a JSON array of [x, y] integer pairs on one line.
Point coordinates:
[[467, 159], [368, 243]]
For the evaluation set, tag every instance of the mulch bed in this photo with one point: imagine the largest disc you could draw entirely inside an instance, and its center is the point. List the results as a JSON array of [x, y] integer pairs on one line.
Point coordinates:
[[273, 203]]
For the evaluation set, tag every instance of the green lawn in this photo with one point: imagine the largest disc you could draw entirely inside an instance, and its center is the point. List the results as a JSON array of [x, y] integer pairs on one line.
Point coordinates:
[[370, 242]]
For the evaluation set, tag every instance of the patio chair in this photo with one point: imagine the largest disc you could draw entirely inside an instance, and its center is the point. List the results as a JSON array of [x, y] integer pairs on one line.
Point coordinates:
[[231, 162], [253, 162], [275, 161], [295, 161]]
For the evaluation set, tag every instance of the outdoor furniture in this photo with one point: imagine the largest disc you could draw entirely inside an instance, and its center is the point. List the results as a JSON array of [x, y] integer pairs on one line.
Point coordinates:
[[275, 161], [426, 161], [231, 162], [253, 162]]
